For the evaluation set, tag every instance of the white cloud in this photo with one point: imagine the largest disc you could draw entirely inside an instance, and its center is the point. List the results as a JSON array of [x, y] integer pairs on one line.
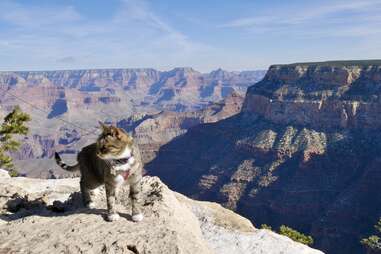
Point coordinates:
[[335, 18], [68, 59], [138, 13], [53, 36], [18, 15], [134, 37]]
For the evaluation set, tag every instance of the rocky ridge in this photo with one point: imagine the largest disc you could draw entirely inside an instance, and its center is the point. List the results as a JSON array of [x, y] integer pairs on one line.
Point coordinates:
[[153, 131], [286, 160], [55, 98], [178, 89], [328, 95], [46, 217]]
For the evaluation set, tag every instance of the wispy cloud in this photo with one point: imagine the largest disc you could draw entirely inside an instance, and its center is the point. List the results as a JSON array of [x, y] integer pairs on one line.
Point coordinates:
[[138, 13], [134, 36], [32, 17], [349, 18], [303, 15], [145, 33], [68, 59]]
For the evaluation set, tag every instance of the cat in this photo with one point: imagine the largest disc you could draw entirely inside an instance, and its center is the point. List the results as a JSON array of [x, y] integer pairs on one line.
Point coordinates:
[[112, 160]]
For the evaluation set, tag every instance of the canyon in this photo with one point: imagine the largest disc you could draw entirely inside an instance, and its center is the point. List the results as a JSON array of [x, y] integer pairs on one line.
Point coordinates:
[[66, 106], [302, 147], [304, 151]]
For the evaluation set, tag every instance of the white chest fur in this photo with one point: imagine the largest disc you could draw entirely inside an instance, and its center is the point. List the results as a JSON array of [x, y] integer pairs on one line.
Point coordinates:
[[119, 179]]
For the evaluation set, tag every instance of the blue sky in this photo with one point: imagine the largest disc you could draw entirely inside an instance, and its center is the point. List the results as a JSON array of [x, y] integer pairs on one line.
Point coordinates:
[[206, 35]]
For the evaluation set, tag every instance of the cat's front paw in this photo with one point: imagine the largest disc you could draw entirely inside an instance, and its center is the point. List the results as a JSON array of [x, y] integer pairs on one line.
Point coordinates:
[[113, 217], [90, 205], [137, 217]]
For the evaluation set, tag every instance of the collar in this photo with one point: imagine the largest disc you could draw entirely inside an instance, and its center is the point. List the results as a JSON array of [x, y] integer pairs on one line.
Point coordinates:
[[118, 162]]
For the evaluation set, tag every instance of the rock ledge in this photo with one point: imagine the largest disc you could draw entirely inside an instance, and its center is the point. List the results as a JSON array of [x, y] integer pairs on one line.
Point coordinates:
[[47, 218]]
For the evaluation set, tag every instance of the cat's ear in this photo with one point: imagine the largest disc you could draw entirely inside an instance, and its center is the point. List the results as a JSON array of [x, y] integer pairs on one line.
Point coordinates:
[[122, 134], [118, 132], [121, 130], [103, 126], [114, 131]]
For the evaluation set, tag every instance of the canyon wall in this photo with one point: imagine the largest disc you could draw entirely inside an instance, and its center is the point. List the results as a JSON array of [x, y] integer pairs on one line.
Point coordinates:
[[319, 96], [304, 151]]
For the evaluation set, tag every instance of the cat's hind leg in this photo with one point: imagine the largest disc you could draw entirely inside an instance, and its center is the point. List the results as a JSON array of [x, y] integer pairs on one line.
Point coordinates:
[[86, 195]]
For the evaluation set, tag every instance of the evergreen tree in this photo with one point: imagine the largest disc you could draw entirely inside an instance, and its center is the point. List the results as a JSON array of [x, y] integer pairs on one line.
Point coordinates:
[[373, 242], [292, 234], [265, 226], [13, 124], [295, 235]]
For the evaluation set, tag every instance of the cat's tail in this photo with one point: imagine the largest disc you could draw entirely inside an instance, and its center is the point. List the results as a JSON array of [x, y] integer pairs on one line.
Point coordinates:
[[64, 165]]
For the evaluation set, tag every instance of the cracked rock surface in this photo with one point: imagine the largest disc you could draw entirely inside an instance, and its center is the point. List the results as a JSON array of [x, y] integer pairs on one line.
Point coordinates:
[[47, 217]]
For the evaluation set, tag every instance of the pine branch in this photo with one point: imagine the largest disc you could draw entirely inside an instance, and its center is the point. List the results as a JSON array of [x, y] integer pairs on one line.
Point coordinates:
[[14, 124]]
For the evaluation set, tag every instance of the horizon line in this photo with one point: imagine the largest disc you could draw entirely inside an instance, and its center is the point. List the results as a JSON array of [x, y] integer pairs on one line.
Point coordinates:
[[134, 68]]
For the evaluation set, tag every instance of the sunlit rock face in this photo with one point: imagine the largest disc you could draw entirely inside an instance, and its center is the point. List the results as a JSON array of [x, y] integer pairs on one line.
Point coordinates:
[[304, 151], [327, 95]]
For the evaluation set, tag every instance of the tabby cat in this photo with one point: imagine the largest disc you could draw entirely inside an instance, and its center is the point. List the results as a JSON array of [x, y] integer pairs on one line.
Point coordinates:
[[111, 160]]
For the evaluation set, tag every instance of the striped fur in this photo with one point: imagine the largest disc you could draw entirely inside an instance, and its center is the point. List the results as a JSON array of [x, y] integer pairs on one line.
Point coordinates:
[[64, 165]]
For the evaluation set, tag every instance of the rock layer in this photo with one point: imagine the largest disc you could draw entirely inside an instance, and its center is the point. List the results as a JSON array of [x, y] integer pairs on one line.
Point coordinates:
[[321, 95]]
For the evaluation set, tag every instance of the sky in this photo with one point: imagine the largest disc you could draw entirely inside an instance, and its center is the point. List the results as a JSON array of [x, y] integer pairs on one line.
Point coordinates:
[[203, 34]]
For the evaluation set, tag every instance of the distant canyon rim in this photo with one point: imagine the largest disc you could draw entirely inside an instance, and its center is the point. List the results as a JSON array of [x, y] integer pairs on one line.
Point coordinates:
[[170, 102]]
